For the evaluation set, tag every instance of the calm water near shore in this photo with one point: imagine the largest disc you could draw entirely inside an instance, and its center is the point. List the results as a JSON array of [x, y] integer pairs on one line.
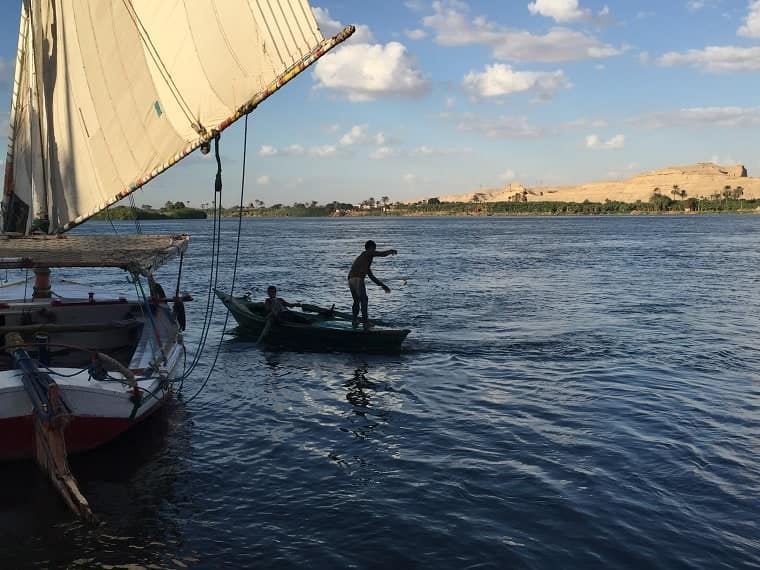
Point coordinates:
[[576, 393]]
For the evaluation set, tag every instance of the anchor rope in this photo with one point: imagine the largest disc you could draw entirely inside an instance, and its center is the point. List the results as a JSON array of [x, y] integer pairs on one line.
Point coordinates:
[[214, 272], [237, 256]]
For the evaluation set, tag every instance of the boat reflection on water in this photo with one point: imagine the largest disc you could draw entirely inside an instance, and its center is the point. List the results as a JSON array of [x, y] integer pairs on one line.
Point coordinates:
[[132, 483]]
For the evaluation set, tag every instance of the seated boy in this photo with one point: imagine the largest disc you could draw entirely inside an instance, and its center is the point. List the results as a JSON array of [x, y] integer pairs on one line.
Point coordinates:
[[277, 308]]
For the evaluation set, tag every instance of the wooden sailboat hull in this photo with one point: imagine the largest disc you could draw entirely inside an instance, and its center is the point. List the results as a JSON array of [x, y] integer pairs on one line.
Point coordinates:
[[315, 333], [82, 433], [100, 410]]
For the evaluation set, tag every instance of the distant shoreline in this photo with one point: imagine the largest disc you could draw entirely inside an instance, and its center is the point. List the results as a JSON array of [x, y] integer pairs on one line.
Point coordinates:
[[658, 205]]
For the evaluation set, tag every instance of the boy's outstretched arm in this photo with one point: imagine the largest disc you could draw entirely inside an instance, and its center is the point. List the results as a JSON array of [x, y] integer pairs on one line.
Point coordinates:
[[377, 282], [386, 253]]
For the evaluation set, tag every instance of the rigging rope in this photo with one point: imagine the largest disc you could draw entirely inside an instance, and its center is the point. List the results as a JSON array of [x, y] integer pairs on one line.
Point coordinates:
[[108, 215], [237, 253], [136, 213], [213, 274]]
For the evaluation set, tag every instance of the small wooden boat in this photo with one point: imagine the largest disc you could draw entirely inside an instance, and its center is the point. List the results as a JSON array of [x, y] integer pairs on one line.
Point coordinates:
[[313, 328]]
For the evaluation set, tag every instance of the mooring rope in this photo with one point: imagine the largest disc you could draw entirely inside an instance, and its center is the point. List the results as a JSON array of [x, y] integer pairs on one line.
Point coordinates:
[[237, 256], [214, 272]]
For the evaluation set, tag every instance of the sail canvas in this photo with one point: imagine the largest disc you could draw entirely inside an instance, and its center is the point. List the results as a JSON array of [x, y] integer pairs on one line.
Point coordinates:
[[110, 94]]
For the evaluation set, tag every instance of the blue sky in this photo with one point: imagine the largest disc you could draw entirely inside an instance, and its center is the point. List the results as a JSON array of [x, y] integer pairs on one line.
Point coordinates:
[[434, 98]]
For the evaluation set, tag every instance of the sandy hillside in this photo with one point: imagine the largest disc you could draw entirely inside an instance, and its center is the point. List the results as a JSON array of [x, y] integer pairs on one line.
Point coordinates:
[[699, 180]]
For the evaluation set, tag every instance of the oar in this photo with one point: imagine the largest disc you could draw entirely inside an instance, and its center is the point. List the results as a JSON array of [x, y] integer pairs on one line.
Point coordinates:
[[340, 315]]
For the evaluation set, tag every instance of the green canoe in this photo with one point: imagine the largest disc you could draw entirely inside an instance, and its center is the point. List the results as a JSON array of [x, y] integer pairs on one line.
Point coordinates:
[[318, 329]]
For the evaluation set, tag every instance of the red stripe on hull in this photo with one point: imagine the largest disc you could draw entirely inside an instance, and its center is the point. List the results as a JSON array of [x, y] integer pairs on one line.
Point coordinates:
[[82, 433]]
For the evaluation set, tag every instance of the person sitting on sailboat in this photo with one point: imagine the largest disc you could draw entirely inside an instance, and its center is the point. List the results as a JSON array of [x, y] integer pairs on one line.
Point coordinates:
[[277, 308]]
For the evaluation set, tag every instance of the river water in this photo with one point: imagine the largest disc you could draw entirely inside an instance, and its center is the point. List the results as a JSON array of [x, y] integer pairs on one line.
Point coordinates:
[[575, 393]]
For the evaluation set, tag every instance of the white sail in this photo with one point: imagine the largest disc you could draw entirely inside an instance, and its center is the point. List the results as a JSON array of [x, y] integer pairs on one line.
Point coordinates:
[[125, 88]]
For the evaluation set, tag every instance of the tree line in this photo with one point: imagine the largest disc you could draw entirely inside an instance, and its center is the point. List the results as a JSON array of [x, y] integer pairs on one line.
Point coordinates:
[[674, 200]]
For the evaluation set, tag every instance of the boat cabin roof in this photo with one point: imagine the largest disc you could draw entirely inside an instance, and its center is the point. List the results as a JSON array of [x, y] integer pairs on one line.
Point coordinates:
[[134, 253]]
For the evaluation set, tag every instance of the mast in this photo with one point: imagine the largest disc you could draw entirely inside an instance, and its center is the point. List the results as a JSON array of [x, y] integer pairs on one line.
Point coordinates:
[[36, 106], [8, 180]]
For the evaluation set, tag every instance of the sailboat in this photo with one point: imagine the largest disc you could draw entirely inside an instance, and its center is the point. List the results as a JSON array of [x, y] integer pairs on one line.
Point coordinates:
[[107, 96]]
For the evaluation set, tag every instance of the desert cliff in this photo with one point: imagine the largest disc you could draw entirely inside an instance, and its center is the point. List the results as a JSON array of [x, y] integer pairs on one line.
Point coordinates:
[[702, 180]]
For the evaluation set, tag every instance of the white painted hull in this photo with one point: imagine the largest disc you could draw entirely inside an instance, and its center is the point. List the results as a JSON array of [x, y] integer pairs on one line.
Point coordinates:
[[100, 409]]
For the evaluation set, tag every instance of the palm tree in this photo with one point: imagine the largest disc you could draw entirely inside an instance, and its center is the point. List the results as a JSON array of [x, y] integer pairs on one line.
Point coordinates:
[[675, 191], [738, 192], [385, 200]]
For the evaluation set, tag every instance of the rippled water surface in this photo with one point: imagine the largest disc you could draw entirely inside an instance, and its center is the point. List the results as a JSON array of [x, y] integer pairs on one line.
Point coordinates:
[[575, 393]]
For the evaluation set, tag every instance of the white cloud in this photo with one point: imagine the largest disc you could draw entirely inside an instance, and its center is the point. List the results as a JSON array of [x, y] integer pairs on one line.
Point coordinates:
[[330, 27], [365, 72], [751, 27], [594, 142], [263, 180], [697, 5], [508, 175], [384, 152], [644, 57], [292, 150], [499, 127], [585, 123], [415, 5], [500, 79], [559, 10], [356, 135], [715, 59], [360, 135], [416, 34], [723, 161], [323, 151], [727, 117], [409, 178], [453, 28], [428, 151]]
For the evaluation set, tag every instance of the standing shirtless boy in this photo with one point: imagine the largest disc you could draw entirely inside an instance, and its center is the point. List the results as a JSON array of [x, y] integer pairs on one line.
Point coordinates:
[[359, 270]]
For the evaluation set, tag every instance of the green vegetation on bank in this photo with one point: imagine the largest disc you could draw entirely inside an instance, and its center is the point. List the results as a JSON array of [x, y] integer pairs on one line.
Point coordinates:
[[726, 200], [657, 204], [170, 211]]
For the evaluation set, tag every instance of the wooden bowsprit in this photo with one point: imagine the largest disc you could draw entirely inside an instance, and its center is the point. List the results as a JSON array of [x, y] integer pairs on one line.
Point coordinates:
[[50, 416]]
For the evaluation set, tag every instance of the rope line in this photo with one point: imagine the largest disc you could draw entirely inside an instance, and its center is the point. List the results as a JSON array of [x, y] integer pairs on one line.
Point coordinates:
[[214, 272], [235, 264]]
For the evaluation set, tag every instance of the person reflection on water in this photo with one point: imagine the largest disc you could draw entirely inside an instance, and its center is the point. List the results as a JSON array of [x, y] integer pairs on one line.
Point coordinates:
[[360, 269]]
